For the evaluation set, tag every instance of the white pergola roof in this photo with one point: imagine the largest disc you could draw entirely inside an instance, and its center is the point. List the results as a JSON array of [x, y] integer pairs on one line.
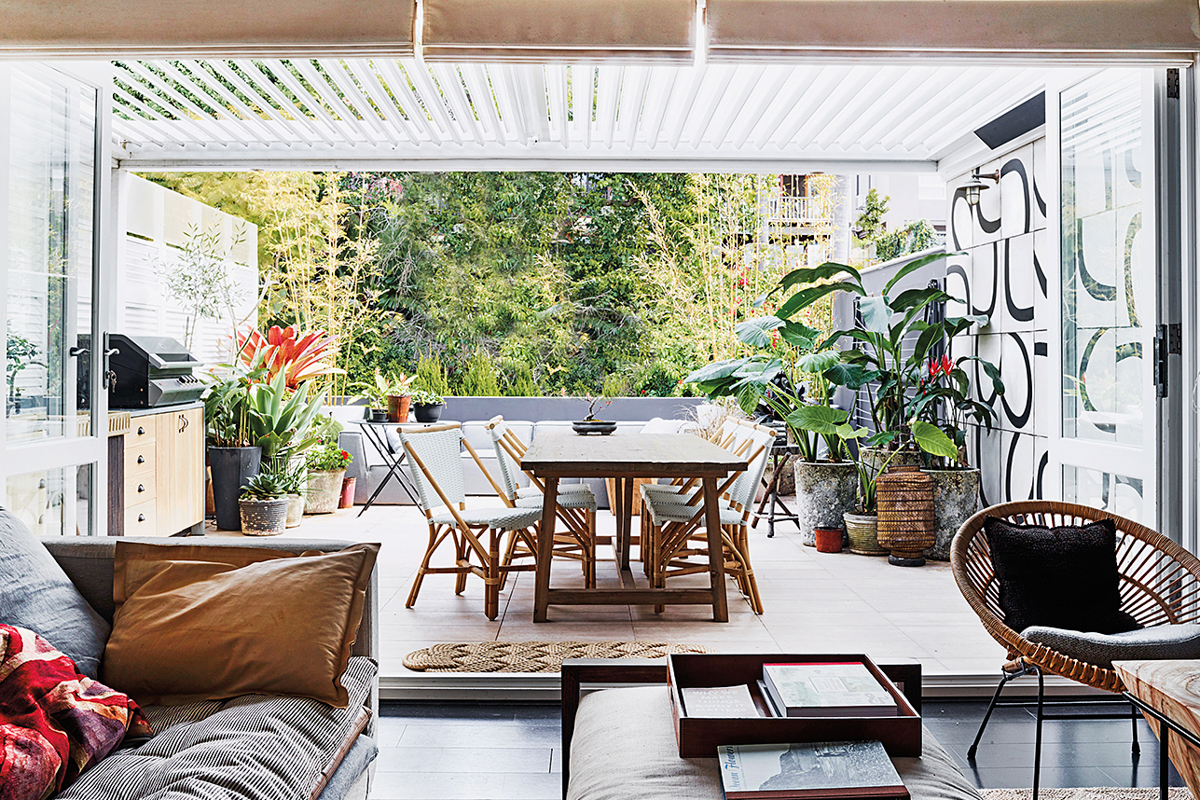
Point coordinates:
[[407, 114]]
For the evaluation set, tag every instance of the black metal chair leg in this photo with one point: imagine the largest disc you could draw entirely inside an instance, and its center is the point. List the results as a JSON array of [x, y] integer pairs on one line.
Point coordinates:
[[1137, 749], [1164, 760], [1037, 742], [986, 716]]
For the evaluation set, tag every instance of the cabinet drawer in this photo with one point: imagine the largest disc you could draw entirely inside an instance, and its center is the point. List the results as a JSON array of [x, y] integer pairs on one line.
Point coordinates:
[[140, 460], [139, 487], [141, 519], [141, 431]]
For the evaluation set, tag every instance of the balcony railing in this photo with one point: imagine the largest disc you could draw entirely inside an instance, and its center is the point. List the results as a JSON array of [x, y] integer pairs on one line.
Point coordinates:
[[795, 210]]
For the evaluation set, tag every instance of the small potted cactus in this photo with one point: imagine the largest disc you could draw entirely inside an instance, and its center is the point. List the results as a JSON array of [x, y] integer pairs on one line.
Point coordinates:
[[263, 505]]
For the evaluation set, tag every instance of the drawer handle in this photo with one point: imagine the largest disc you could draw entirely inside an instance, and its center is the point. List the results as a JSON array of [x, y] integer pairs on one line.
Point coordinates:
[[141, 459], [141, 488], [141, 517], [141, 431]]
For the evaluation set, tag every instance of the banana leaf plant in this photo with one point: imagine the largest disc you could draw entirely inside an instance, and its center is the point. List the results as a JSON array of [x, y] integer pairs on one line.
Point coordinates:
[[891, 321]]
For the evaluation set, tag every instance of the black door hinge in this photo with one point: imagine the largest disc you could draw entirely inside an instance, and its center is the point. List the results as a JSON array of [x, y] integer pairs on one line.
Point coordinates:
[[1173, 84], [1168, 340]]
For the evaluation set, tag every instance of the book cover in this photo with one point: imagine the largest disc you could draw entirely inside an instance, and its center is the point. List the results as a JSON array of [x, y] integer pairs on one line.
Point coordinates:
[[827, 689], [719, 701], [812, 771]]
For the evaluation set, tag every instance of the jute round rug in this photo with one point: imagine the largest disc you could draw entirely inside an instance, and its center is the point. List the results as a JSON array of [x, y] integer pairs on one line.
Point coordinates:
[[1100, 793], [531, 656]]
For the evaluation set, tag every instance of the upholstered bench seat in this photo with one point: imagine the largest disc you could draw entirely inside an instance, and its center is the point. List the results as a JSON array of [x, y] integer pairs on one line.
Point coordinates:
[[624, 748]]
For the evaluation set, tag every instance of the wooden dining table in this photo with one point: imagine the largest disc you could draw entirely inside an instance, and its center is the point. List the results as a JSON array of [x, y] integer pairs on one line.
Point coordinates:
[[625, 456]]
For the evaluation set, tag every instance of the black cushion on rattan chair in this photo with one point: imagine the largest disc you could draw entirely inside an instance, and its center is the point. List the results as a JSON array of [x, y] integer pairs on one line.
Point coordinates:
[[1159, 583], [1064, 577]]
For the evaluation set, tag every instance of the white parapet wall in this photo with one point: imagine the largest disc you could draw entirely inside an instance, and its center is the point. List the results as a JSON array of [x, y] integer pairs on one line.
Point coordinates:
[[156, 224]]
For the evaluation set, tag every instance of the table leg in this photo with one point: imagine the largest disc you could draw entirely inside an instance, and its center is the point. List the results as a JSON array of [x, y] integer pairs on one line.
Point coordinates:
[[627, 521], [716, 550], [618, 496], [545, 551]]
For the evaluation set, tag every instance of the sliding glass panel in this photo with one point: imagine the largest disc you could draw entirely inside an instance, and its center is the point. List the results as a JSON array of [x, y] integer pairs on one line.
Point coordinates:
[[51, 178], [53, 502]]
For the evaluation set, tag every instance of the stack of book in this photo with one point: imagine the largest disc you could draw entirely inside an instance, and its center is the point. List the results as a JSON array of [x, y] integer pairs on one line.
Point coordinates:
[[824, 689]]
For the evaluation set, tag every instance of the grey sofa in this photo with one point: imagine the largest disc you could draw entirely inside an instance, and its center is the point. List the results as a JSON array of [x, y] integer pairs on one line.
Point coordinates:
[[528, 417], [215, 748]]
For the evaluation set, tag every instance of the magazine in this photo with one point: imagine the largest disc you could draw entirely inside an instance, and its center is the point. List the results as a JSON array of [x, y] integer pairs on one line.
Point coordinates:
[[829, 689], [811, 771]]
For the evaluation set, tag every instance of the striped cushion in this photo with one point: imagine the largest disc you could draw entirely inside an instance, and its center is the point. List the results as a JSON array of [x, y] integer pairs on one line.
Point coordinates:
[[252, 747]]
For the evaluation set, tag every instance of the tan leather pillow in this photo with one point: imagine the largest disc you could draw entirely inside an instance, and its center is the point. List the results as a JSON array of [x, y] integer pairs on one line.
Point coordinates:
[[198, 622]]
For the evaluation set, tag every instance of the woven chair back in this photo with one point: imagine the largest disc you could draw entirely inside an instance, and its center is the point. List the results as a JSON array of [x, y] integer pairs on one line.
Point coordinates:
[[760, 439], [1159, 580], [439, 451], [509, 467]]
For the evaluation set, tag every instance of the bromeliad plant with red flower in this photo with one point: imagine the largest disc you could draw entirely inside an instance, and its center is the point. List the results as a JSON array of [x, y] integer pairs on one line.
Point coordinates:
[[299, 356]]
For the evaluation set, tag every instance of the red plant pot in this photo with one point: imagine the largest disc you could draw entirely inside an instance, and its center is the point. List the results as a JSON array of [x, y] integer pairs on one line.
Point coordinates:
[[347, 498], [829, 540], [398, 407]]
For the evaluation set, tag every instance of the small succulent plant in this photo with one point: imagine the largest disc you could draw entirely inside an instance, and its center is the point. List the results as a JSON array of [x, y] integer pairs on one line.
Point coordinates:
[[264, 486]]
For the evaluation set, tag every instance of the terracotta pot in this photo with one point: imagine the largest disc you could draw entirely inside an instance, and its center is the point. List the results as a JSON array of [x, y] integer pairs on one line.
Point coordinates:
[[324, 491], [347, 498], [398, 407], [824, 492], [295, 510], [829, 540], [955, 497], [863, 532], [263, 517]]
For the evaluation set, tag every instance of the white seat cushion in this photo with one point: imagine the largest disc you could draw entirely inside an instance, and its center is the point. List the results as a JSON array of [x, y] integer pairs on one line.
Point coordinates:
[[505, 519]]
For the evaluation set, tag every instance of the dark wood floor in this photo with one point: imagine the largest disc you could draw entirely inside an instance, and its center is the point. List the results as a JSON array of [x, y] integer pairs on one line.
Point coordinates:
[[468, 751]]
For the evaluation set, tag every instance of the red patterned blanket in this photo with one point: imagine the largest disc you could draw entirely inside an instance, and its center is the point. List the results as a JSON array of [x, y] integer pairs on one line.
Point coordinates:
[[54, 722]]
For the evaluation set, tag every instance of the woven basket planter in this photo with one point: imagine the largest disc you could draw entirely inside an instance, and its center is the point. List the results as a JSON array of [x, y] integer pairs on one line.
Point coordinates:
[[824, 493], [263, 517], [906, 522]]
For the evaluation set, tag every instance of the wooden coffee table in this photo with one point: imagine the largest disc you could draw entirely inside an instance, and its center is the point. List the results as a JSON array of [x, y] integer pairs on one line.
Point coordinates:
[[626, 456], [1168, 693]]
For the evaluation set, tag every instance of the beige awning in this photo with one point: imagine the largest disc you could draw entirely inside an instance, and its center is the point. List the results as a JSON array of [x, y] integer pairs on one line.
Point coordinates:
[[772, 30], [186, 28], [559, 30]]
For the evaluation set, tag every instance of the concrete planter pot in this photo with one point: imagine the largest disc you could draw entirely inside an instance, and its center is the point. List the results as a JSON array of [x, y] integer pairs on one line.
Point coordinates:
[[824, 493], [863, 532], [264, 517], [295, 510], [955, 499], [324, 491]]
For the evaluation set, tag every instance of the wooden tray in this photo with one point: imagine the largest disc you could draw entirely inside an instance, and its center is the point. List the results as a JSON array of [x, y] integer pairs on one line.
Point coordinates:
[[700, 737]]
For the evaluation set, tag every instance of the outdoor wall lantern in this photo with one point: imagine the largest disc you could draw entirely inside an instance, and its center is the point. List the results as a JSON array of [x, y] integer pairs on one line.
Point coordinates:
[[976, 185]]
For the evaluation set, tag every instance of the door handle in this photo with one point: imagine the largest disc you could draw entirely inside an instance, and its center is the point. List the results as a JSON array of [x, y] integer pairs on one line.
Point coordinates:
[[183, 422], [141, 459], [141, 517], [141, 488], [108, 378]]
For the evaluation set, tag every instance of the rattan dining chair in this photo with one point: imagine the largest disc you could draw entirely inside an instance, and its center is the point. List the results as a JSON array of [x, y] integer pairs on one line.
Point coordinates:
[[435, 462], [673, 523], [576, 504], [1159, 584]]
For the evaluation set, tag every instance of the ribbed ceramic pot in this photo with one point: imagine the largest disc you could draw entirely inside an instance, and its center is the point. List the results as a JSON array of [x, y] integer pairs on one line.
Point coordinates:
[[863, 532], [824, 493], [295, 510], [263, 517], [955, 498], [324, 491]]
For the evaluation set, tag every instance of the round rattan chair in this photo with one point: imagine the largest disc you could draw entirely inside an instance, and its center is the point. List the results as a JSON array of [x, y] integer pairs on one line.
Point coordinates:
[[1159, 584]]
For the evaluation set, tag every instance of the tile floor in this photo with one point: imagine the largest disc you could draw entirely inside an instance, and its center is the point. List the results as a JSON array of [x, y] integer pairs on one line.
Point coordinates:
[[837, 602], [471, 751]]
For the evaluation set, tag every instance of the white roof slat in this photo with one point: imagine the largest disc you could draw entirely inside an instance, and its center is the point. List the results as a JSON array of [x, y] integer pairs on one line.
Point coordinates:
[[162, 91], [532, 79], [961, 81], [768, 96], [1023, 85], [582, 99], [309, 72], [476, 79], [832, 104], [238, 131], [284, 73], [397, 81], [697, 78], [608, 89], [374, 105], [916, 97], [745, 80], [989, 89], [666, 77], [510, 111], [431, 98], [854, 107], [255, 94], [878, 108], [392, 115], [224, 95], [157, 124], [632, 106], [447, 75], [559, 109], [717, 103], [261, 76], [816, 91]]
